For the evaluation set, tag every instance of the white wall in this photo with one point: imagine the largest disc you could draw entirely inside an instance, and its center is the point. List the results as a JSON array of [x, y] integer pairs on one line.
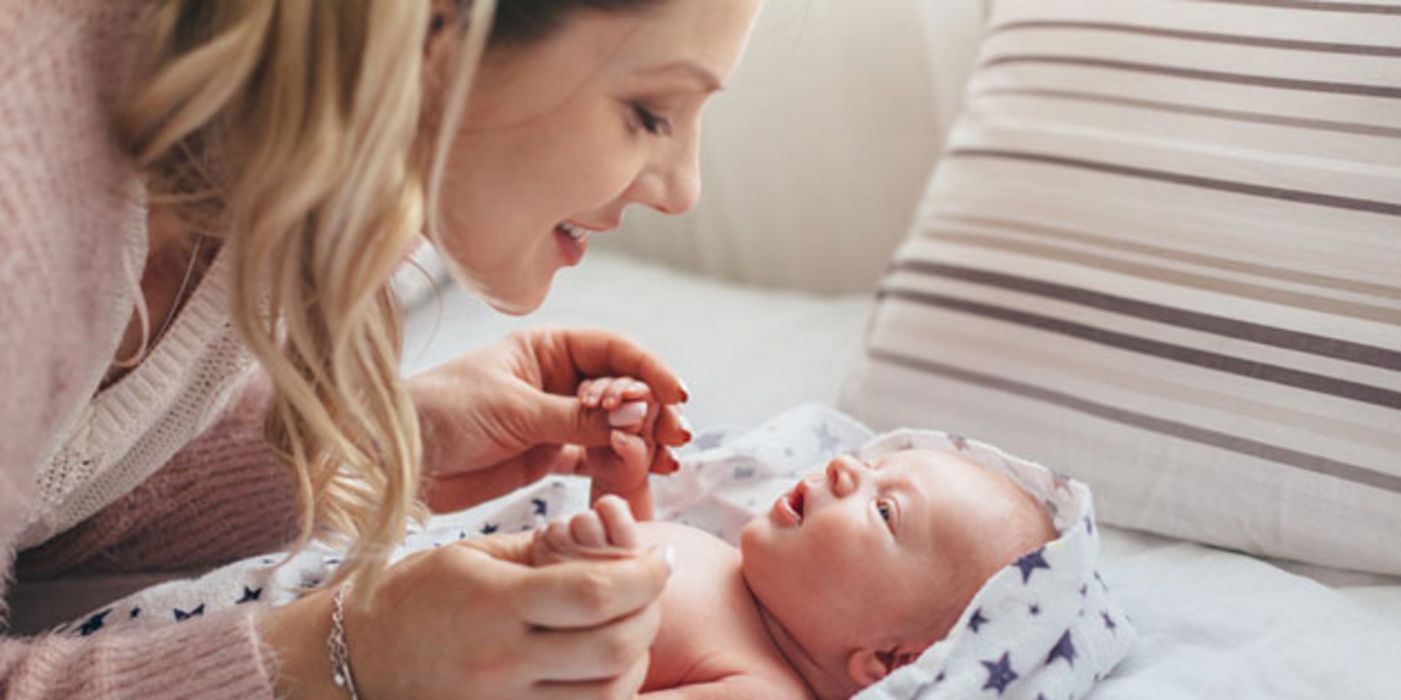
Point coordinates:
[[815, 156]]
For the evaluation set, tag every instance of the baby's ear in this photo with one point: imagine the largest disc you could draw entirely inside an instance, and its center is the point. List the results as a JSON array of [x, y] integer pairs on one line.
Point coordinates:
[[866, 666]]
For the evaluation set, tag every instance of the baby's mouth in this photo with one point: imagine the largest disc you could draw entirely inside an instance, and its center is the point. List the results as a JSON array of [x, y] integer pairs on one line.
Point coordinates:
[[788, 508], [797, 498]]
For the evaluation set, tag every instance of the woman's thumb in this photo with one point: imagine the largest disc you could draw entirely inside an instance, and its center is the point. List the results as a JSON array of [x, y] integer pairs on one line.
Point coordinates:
[[562, 420]]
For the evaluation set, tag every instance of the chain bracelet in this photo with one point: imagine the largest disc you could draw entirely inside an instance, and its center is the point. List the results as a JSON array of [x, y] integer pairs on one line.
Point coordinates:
[[335, 644]]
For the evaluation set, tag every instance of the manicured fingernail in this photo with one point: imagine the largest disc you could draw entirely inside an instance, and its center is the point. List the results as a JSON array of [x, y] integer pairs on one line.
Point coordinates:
[[685, 393], [627, 414], [685, 426]]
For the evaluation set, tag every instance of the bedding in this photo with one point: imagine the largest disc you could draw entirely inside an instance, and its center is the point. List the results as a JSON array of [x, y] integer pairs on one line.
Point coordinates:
[[1211, 623], [1044, 625], [1161, 250]]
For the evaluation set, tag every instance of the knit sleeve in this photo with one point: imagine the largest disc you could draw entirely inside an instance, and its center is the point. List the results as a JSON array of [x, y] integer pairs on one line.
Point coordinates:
[[222, 497], [219, 656]]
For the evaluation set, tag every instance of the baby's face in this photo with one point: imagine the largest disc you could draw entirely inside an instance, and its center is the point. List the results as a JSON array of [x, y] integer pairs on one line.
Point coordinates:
[[877, 552]]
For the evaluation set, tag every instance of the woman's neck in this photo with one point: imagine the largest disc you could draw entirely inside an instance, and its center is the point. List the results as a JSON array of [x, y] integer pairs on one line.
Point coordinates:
[[172, 270]]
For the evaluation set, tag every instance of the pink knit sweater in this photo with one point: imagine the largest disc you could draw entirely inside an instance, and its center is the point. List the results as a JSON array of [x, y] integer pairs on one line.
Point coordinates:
[[70, 207]]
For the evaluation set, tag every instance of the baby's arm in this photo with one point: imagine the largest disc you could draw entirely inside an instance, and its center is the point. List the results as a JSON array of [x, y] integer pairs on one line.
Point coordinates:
[[621, 468]]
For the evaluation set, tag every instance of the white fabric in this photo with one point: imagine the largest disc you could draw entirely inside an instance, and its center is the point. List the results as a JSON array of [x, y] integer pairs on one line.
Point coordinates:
[[132, 428], [1160, 250]]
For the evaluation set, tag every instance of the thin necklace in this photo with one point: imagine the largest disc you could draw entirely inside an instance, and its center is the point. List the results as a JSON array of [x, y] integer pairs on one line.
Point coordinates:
[[146, 335]]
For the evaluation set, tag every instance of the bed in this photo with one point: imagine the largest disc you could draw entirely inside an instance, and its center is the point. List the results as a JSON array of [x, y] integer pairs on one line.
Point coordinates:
[[756, 330], [1212, 623]]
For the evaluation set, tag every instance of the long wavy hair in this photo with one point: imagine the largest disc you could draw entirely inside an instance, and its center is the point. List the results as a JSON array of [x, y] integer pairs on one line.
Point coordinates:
[[292, 130]]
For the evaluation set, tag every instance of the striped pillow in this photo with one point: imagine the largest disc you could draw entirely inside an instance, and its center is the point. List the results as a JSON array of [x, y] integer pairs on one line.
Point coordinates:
[[1163, 253]]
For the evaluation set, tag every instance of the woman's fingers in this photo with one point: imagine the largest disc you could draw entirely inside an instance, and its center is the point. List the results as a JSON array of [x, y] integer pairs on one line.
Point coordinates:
[[672, 427], [583, 594], [564, 355], [623, 687], [597, 653]]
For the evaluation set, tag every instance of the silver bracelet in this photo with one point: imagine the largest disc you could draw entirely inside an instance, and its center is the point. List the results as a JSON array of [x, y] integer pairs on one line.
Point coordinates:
[[335, 644]]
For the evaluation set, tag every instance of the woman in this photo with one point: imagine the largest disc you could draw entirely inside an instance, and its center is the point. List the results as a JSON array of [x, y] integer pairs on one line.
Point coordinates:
[[248, 187]]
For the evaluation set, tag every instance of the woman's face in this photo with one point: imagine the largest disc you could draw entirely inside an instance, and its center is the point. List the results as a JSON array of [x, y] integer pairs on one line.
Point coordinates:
[[560, 136]]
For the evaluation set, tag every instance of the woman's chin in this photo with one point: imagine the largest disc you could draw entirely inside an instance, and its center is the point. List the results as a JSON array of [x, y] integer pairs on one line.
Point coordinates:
[[518, 302]]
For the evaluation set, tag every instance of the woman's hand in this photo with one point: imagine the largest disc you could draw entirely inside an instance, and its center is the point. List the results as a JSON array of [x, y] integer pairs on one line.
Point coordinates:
[[503, 416], [475, 620]]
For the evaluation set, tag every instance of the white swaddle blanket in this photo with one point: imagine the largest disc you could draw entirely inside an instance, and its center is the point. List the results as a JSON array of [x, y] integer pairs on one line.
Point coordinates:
[[1043, 628]]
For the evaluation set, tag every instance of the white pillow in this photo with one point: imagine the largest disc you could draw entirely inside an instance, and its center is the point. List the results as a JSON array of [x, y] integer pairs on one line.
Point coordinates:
[[1163, 254]]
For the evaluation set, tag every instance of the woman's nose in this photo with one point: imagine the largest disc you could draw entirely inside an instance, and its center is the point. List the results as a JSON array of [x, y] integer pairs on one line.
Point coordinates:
[[844, 475], [672, 187]]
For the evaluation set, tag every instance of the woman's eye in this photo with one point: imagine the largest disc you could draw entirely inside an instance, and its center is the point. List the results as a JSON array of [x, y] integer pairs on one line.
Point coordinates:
[[651, 121]]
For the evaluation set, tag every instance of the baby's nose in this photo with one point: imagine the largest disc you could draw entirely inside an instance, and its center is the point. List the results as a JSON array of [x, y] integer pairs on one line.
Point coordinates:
[[844, 475]]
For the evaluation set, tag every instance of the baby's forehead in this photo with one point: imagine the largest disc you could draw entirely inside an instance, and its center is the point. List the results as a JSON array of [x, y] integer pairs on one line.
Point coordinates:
[[957, 476]]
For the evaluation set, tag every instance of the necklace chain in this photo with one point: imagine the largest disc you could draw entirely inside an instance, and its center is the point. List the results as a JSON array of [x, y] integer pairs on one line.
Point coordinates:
[[147, 337]]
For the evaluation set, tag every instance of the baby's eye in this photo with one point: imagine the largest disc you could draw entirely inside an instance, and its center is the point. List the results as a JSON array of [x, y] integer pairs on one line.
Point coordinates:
[[886, 509]]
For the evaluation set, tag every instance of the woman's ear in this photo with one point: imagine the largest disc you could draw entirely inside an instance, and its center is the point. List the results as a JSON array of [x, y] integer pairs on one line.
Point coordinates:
[[866, 666]]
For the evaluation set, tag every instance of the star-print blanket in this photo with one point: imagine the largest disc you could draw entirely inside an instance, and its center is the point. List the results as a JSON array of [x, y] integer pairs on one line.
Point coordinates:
[[1044, 628]]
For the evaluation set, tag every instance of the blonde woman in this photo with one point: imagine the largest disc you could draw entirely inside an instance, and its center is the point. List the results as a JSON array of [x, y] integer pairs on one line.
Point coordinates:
[[192, 188]]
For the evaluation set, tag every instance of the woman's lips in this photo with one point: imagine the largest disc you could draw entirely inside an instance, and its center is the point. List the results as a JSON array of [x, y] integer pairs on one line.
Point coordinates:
[[573, 242]]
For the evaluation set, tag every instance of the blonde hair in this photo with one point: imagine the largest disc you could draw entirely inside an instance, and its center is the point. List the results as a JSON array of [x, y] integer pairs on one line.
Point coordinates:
[[288, 128]]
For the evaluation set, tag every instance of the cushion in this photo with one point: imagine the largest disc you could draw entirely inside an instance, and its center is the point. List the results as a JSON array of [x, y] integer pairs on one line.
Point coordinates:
[[1163, 252]]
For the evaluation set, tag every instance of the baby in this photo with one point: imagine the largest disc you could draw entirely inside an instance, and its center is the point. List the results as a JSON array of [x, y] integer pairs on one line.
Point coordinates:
[[850, 575]]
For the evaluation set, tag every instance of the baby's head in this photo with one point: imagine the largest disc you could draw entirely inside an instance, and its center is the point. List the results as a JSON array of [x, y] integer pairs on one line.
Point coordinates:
[[862, 566]]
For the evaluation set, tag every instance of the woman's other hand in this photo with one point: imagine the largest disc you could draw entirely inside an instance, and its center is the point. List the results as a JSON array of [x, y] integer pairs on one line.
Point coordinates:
[[503, 416], [474, 619]]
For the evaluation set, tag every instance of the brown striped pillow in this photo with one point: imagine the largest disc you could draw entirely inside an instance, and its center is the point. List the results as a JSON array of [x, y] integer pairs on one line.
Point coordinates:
[[1163, 254]]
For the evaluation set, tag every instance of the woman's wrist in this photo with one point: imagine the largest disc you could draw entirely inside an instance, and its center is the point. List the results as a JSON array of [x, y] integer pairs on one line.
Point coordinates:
[[296, 635]]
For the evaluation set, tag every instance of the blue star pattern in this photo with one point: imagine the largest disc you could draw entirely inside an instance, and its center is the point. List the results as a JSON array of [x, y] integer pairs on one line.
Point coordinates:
[[250, 595], [540, 506], [708, 440], [977, 620], [1030, 562], [181, 615], [1064, 649], [1109, 623], [93, 623], [489, 528], [1000, 673]]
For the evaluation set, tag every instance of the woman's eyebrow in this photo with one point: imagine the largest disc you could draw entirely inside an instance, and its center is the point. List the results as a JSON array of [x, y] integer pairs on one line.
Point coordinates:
[[706, 79]]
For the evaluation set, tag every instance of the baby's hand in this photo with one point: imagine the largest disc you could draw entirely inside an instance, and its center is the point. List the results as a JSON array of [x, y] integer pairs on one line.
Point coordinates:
[[622, 467], [607, 531]]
